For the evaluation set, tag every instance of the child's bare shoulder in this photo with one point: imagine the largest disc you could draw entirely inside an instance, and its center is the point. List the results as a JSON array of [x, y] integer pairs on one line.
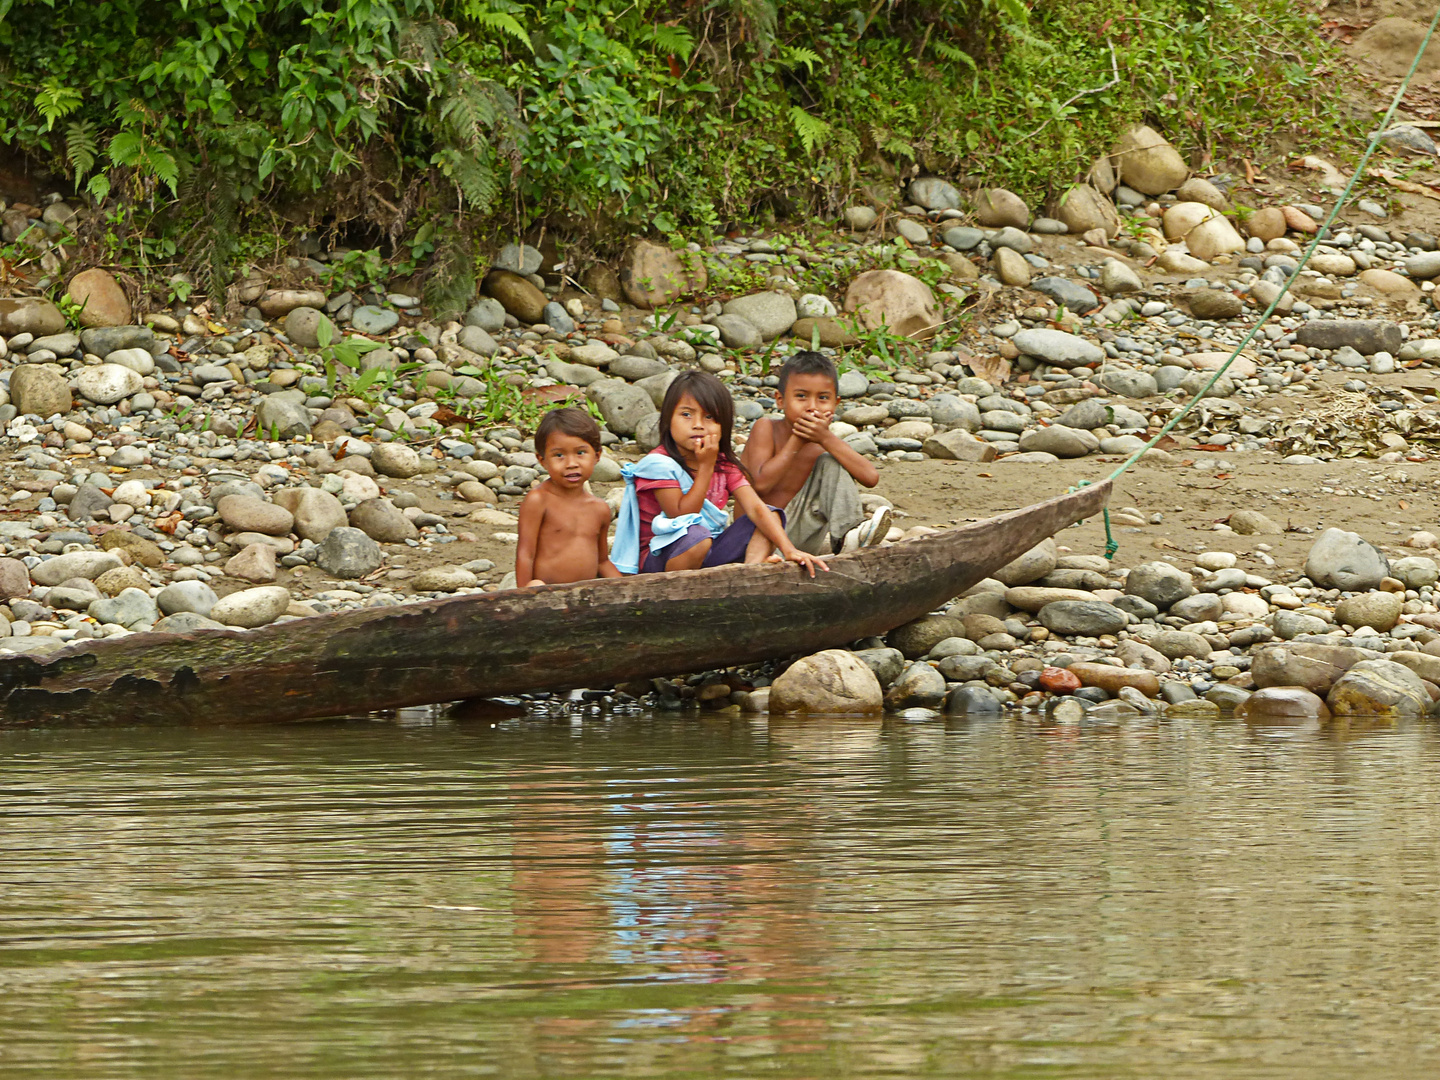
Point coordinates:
[[599, 507], [775, 427], [536, 497]]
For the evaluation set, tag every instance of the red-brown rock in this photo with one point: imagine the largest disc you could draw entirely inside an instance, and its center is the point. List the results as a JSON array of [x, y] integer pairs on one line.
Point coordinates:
[[1110, 678], [1059, 681]]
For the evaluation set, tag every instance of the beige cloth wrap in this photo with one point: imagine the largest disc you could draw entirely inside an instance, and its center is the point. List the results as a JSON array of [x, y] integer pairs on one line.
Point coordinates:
[[825, 508]]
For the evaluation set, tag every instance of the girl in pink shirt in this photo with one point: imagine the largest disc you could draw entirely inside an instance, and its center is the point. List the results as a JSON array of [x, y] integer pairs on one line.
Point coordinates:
[[696, 420]]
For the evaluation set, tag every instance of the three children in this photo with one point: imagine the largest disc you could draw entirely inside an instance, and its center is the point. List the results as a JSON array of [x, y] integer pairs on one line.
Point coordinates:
[[672, 515]]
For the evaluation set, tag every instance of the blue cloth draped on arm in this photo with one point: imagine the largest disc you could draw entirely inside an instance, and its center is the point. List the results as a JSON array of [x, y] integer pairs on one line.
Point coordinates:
[[625, 551]]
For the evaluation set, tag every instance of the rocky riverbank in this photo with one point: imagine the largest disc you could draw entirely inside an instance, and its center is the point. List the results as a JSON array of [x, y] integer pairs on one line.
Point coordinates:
[[181, 470]]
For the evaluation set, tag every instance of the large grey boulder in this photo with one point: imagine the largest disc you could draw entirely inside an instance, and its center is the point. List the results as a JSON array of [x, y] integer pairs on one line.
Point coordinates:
[[131, 608], [1031, 566], [283, 414], [1380, 688], [834, 681], [737, 332], [1312, 665], [250, 608], [397, 460], [82, 564], [771, 313], [1343, 560], [933, 193], [192, 596], [348, 553], [382, 520], [302, 326], [245, 513], [1365, 336], [1377, 610], [315, 512], [919, 686], [1063, 442], [105, 384], [1088, 618], [40, 389], [1159, 583], [1058, 348], [623, 406], [1148, 163]]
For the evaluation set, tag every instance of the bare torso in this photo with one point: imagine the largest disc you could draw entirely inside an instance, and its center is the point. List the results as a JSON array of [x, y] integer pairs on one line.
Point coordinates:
[[798, 472], [571, 537]]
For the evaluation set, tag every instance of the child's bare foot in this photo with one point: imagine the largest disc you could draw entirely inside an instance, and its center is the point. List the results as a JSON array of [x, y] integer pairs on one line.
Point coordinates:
[[534, 581]]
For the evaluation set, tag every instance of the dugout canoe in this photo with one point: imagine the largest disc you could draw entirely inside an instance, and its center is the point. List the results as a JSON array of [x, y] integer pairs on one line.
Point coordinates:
[[593, 633]]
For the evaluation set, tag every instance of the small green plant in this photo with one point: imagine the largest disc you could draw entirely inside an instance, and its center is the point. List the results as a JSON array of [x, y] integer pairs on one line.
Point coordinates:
[[341, 361], [501, 402], [180, 290], [71, 309], [354, 270]]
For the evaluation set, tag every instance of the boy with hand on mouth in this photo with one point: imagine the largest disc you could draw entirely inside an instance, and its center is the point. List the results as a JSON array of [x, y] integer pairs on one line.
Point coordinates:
[[563, 528], [800, 465]]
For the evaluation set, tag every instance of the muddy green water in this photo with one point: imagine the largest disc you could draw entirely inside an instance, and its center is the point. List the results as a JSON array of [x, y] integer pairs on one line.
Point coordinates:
[[662, 897]]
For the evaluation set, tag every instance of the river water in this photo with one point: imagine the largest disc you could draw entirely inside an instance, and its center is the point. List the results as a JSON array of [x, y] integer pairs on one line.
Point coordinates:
[[679, 897]]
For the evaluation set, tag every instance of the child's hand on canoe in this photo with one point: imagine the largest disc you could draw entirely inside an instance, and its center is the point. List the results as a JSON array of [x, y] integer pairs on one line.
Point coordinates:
[[805, 559]]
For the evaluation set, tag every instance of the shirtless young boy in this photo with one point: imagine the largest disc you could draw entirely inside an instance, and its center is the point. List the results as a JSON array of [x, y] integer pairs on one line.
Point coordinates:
[[562, 526], [785, 458]]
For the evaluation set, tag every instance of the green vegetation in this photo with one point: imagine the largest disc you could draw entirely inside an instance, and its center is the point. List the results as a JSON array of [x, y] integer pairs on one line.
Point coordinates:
[[436, 124]]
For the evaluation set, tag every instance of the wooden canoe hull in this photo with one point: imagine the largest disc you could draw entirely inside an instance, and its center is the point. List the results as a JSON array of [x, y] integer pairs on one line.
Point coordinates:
[[592, 633]]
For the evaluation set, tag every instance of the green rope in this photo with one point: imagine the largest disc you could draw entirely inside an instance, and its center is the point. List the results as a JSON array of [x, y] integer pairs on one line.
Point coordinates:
[[1110, 545]]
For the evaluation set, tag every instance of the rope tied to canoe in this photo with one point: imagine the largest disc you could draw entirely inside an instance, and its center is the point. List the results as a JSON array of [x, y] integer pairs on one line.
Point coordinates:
[[1321, 234]]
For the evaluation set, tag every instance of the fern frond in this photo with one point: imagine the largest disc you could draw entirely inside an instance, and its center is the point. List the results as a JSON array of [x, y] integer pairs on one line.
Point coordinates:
[[947, 51], [1020, 33], [812, 130], [56, 101], [450, 285], [674, 40], [897, 147], [474, 177], [81, 148], [497, 18], [798, 54], [1013, 10]]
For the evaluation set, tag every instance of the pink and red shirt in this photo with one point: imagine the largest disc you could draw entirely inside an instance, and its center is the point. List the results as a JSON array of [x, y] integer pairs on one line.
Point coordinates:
[[724, 482]]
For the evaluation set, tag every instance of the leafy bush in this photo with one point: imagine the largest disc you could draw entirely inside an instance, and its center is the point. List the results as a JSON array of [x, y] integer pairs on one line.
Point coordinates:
[[592, 114]]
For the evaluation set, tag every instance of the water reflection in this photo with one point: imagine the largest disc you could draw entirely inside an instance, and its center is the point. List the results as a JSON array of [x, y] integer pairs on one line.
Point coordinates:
[[678, 897]]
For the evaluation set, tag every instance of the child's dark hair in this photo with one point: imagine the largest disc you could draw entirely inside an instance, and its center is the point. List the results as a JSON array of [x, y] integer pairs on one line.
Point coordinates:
[[710, 394], [809, 363], [567, 421]]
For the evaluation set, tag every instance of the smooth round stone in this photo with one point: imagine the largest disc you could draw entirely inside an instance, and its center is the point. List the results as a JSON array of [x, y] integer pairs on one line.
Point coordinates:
[[1283, 705], [1121, 444], [373, 320]]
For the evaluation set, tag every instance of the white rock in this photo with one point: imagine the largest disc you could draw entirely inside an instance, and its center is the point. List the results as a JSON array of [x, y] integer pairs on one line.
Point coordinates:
[[1245, 605], [132, 493], [137, 360], [106, 384], [250, 608], [1215, 560], [83, 564]]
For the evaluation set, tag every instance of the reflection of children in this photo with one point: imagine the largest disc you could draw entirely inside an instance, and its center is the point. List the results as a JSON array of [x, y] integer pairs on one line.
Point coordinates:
[[800, 465], [672, 516], [562, 526]]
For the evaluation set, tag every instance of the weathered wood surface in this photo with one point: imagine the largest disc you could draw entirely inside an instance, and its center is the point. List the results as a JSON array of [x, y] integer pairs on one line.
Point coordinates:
[[591, 633]]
